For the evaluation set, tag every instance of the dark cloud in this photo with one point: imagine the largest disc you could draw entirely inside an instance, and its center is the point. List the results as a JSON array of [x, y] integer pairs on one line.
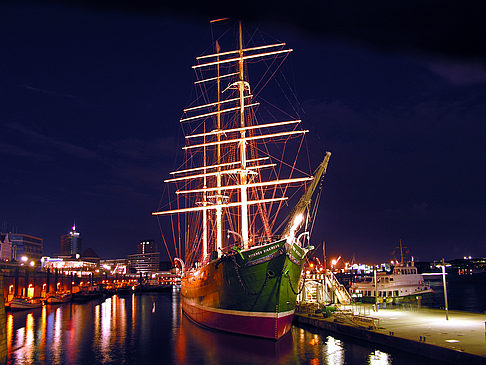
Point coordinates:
[[459, 73], [62, 146], [48, 92], [137, 149], [12, 150]]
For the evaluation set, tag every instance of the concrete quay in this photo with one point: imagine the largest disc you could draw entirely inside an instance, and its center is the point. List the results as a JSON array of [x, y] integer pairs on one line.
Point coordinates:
[[425, 332]]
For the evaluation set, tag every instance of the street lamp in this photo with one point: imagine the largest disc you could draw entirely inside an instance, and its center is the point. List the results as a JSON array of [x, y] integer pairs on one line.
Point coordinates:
[[443, 265]]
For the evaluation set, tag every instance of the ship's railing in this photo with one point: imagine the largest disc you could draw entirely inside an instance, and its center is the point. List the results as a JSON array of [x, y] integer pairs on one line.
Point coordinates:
[[342, 294], [348, 316], [324, 287]]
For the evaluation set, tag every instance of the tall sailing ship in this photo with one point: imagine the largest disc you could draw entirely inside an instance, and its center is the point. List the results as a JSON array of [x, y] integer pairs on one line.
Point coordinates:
[[241, 272]]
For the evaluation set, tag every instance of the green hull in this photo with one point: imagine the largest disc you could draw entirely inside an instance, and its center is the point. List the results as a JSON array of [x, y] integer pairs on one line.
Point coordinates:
[[251, 285]]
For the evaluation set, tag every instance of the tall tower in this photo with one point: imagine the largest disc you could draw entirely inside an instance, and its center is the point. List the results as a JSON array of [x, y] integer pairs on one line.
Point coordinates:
[[71, 243]]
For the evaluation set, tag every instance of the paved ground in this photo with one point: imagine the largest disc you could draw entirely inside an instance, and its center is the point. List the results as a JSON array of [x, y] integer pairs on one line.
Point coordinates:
[[463, 331]]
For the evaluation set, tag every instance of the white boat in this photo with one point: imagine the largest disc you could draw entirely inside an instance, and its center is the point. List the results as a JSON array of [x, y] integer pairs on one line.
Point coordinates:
[[59, 298], [24, 304], [403, 284]]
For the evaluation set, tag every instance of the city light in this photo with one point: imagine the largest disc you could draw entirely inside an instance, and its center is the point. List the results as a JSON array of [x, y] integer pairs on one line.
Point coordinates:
[[24, 258], [32, 263]]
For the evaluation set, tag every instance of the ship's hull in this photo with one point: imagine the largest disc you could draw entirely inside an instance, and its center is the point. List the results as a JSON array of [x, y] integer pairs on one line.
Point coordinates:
[[59, 298], [424, 297], [252, 292], [18, 304]]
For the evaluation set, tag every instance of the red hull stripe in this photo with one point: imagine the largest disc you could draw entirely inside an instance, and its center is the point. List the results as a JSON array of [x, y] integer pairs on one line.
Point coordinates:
[[267, 325], [242, 313]]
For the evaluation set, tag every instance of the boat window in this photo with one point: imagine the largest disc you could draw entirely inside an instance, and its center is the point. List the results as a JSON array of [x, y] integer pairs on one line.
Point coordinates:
[[391, 279], [396, 293]]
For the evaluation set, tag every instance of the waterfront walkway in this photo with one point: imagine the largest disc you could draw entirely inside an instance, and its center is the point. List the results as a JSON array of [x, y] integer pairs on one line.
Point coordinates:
[[424, 331]]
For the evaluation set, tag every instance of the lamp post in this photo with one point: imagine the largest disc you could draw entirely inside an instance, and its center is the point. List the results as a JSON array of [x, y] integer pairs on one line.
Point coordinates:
[[376, 290], [443, 265]]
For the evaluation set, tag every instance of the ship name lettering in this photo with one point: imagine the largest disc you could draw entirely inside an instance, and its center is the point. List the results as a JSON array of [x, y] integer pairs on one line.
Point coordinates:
[[262, 251]]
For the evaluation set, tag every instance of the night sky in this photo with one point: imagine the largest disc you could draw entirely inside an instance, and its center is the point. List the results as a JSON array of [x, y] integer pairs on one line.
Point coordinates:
[[90, 99]]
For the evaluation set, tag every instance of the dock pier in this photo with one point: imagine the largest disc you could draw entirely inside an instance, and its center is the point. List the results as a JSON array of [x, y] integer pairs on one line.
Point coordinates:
[[426, 332]]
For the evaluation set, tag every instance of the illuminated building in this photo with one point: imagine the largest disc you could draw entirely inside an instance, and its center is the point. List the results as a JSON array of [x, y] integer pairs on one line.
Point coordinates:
[[147, 246], [71, 243], [115, 266], [69, 266], [143, 262], [5, 247], [25, 245]]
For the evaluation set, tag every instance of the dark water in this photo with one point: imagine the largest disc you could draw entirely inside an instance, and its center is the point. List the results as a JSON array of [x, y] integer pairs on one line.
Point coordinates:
[[150, 329], [464, 292]]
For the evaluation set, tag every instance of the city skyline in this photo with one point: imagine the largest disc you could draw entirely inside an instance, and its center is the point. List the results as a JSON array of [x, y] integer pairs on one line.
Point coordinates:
[[90, 103]]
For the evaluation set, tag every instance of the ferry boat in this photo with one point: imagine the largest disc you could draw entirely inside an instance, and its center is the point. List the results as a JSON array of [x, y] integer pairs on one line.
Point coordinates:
[[403, 285], [242, 266], [18, 303], [58, 298]]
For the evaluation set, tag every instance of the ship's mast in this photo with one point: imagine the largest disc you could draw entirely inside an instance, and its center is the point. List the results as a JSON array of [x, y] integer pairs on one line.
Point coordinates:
[[243, 172], [236, 138], [401, 252], [219, 199], [205, 203]]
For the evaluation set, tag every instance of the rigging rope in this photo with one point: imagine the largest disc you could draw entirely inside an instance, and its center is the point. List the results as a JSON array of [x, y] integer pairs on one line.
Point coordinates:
[[316, 204], [165, 243]]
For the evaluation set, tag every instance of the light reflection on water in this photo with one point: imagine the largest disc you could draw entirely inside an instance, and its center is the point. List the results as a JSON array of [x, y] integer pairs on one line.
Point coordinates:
[[379, 358], [150, 329]]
